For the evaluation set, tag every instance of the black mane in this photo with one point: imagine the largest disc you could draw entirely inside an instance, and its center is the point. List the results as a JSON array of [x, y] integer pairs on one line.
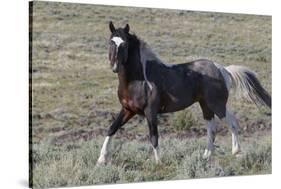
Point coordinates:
[[135, 70]]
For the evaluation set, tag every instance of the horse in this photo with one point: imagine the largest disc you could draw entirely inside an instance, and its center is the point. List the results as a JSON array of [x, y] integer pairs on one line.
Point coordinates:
[[148, 87]]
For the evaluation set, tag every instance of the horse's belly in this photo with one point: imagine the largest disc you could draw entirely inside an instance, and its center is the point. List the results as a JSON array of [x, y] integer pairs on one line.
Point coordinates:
[[173, 104]]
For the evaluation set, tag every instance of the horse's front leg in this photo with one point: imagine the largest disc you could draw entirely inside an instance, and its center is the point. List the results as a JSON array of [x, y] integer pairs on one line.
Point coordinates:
[[123, 117], [151, 117]]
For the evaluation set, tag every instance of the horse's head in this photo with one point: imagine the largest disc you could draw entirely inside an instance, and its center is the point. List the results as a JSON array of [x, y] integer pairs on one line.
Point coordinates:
[[118, 50]]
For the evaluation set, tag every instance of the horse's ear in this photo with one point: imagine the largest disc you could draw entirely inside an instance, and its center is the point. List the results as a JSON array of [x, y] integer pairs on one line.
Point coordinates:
[[127, 28], [111, 27]]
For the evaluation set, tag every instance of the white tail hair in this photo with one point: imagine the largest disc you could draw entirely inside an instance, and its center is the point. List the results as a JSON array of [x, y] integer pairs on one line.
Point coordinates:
[[246, 84]]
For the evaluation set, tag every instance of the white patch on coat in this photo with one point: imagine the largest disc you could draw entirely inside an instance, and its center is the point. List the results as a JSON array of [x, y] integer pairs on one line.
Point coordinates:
[[104, 154], [147, 54], [225, 74]]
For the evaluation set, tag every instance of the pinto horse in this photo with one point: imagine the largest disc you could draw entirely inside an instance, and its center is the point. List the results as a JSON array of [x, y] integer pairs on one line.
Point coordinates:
[[148, 87]]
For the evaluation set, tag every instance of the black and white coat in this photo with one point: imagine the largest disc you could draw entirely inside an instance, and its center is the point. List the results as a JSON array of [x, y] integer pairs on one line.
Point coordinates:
[[148, 87]]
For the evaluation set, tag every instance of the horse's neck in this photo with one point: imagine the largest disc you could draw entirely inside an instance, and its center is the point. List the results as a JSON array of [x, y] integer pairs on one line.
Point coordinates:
[[129, 74], [131, 71], [123, 78]]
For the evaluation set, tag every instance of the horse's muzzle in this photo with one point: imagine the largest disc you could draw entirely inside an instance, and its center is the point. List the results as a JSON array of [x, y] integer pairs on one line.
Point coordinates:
[[115, 68]]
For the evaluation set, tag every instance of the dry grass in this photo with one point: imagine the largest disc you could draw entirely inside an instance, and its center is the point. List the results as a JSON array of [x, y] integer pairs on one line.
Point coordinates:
[[74, 94], [74, 164]]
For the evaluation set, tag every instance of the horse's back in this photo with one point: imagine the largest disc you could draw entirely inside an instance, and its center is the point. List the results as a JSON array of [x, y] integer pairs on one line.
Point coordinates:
[[204, 67]]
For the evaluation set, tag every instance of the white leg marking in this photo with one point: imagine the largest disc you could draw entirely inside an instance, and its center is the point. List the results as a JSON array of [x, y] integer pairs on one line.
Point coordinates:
[[207, 154], [233, 124], [211, 129], [104, 154], [156, 154]]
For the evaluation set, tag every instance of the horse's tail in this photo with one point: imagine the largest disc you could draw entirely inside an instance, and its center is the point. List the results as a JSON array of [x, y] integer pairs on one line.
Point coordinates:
[[246, 84]]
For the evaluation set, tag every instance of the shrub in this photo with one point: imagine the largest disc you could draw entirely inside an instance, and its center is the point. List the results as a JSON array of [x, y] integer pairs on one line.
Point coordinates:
[[256, 159], [183, 120]]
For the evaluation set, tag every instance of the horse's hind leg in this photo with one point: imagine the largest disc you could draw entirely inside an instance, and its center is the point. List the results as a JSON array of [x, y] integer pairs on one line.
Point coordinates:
[[221, 111], [208, 115], [233, 125], [211, 132], [122, 118]]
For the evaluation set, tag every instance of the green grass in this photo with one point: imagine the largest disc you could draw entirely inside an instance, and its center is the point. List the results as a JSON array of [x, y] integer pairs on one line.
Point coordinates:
[[74, 96]]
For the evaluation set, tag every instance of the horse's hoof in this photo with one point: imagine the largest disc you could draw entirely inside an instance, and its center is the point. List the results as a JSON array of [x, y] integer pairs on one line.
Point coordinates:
[[236, 151], [102, 161], [239, 155], [158, 162]]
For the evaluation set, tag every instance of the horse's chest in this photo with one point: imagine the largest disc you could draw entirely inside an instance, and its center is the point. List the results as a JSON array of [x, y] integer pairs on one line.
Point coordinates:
[[127, 103], [130, 104], [132, 100]]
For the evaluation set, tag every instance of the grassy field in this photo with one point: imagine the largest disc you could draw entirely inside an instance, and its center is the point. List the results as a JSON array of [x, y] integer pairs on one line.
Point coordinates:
[[74, 95]]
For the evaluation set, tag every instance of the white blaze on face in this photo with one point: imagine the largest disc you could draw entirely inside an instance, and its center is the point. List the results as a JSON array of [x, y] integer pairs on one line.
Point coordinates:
[[118, 41], [225, 74]]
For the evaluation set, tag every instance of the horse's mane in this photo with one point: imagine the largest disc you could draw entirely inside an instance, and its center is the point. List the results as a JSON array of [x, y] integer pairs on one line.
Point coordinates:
[[146, 54]]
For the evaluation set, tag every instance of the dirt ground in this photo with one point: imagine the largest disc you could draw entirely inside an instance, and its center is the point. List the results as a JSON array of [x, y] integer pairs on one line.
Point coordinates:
[[74, 91]]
